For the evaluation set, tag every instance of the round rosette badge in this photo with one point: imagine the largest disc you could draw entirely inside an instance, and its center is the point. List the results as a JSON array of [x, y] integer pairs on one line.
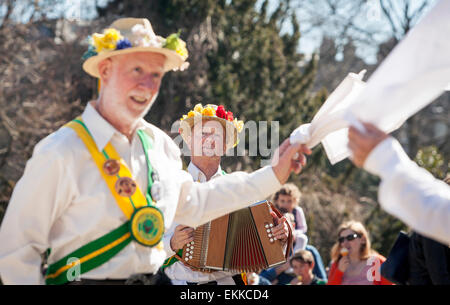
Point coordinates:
[[147, 226]]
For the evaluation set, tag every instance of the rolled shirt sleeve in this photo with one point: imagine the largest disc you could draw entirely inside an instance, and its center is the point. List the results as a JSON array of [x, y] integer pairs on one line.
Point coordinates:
[[202, 202]]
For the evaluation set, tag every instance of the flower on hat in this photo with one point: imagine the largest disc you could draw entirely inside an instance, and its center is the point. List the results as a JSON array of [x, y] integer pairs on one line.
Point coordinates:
[[106, 41], [173, 42], [209, 111], [146, 37], [198, 108], [221, 113], [123, 44], [229, 116], [238, 124]]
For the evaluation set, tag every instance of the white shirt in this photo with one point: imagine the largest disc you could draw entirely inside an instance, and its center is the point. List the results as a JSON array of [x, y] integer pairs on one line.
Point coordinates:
[[410, 192], [178, 272], [62, 202]]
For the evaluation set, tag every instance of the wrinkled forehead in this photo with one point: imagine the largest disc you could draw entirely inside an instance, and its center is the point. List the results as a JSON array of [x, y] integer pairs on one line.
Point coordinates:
[[208, 126], [148, 60]]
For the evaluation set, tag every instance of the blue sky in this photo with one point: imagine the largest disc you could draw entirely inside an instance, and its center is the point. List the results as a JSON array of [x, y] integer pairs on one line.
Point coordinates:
[[370, 18]]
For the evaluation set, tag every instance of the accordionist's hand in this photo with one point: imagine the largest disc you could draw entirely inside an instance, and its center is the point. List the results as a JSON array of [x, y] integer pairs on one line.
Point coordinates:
[[280, 231], [289, 158], [181, 236]]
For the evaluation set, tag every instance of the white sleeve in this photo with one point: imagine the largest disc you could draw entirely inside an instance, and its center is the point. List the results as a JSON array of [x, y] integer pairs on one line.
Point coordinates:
[[301, 227], [202, 202], [37, 200], [409, 192], [166, 240]]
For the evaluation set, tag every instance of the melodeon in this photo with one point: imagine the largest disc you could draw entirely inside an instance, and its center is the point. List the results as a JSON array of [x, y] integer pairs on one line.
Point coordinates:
[[240, 242]]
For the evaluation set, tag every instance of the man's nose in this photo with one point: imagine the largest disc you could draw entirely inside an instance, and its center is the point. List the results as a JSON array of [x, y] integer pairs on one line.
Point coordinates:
[[149, 82]]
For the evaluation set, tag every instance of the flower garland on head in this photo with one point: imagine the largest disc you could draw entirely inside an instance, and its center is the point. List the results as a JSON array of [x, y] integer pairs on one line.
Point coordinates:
[[218, 112], [112, 39]]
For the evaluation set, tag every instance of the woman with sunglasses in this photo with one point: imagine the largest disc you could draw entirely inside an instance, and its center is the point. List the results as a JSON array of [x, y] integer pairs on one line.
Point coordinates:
[[359, 264]]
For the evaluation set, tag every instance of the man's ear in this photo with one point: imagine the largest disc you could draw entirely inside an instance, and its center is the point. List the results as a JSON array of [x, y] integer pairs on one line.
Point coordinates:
[[313, 263], [105, 70]]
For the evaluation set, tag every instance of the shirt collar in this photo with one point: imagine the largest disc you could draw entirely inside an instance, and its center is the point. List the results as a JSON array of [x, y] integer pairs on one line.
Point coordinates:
[[198, 175], [101, 130]]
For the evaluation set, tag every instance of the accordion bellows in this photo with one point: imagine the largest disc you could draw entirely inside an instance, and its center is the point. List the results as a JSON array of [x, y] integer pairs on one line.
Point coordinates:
[[238, 242]]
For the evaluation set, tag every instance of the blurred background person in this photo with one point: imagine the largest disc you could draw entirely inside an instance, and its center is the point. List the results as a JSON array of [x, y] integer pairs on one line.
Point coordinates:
[[354, 262], [287, 200], [302, 262]]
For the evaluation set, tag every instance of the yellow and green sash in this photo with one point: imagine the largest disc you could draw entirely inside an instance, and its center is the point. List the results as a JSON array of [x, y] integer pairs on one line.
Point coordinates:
[[99, 251]]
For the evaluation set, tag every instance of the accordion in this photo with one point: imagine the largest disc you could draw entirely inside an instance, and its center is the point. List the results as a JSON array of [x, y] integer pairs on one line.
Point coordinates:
[[238, 242]]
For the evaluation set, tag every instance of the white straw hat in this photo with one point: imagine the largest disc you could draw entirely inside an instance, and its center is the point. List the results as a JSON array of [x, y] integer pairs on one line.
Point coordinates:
[[128, 35]]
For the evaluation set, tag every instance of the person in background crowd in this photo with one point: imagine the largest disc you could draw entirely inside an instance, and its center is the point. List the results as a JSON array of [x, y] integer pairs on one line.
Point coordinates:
[[302, 262], [354, 262], [287, 201], [319, 269]]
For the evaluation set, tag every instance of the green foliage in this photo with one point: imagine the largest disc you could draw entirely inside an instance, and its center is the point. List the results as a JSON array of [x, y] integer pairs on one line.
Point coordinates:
[[430, 159], [257, 72]]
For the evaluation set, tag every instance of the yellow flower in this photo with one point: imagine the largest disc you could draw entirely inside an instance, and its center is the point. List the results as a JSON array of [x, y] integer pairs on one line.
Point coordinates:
[[106, 41], [209, 111], [191, 114], [181, 49], [184, 117], [198, 108], [239, 125]]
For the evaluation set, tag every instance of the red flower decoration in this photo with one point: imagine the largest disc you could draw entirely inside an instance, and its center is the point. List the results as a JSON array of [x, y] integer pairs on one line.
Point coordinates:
[[221, 113], [230, 116]]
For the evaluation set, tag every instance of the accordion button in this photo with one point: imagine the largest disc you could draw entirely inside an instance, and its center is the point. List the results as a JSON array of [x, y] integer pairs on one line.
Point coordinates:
[[266, 226], [271, 240], [191, 252], [268, 230], [190, 256], [271, 225], [270, 235]]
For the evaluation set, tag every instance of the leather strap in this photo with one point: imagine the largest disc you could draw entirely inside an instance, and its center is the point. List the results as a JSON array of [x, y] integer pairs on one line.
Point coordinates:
[[290, 240]]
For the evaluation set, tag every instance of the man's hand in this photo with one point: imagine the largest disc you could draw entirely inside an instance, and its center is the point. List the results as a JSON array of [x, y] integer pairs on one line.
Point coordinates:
[[361, 144], [181, 236], [280, 231], [289, 158]]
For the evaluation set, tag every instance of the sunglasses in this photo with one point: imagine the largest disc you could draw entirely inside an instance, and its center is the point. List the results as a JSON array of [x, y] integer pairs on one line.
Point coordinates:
[[348, 237]]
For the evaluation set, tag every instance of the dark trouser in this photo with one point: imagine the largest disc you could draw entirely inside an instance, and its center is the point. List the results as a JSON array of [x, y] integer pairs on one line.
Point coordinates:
[[160, 278]]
